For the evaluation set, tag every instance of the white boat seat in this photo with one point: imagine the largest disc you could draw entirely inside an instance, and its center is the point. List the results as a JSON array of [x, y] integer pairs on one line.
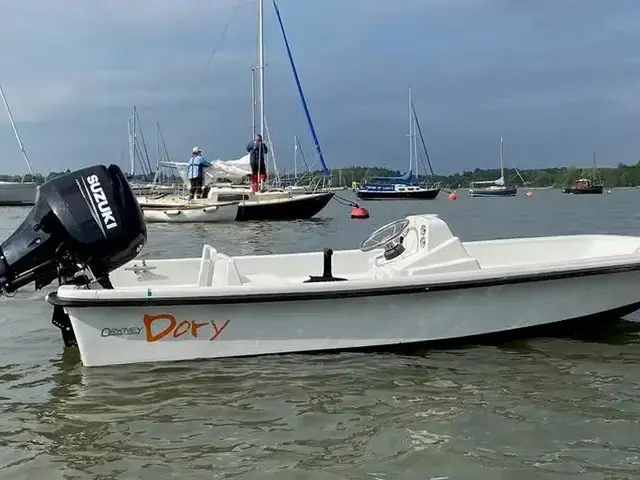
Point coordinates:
[[225, 271], [207, 266]]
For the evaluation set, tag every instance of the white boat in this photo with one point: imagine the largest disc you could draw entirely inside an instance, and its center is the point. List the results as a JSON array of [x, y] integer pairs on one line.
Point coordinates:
[[172, 209], [411, 282], [235, 203], [17, 193]]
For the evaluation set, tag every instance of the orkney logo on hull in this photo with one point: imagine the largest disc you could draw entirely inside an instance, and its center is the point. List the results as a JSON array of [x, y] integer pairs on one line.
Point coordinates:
[[98, 203]]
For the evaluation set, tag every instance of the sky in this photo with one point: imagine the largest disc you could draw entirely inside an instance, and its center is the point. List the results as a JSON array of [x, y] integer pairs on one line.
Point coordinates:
[[557, 79]]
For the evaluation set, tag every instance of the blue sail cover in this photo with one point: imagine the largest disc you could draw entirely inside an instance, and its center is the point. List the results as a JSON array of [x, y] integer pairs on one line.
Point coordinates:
[[388, 184], [404, 179]]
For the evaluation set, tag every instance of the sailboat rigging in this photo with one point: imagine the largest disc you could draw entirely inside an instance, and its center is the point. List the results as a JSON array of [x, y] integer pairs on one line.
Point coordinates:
[[407, 186], [493, 188], [17, 193], [270, 204]]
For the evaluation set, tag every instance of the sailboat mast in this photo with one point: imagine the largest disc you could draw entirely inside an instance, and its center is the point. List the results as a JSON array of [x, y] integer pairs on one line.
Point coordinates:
[[132, 140], [295, 157], [410, 134], [261, 63], [15, 130], [501, 161], [253, 101]]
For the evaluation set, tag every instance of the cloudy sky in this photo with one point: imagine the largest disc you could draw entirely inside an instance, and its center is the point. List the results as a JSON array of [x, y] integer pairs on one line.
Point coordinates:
[[557, 79]]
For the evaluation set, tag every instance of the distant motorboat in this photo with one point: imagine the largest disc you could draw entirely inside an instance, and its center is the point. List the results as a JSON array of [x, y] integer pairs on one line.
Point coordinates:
[[584, 186]]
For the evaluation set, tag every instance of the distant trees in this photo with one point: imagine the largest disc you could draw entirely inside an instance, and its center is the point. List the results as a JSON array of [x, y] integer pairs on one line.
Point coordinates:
[[620, 176]]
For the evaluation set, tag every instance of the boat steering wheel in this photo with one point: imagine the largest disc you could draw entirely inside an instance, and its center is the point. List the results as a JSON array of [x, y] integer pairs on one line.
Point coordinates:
[[385, 235]]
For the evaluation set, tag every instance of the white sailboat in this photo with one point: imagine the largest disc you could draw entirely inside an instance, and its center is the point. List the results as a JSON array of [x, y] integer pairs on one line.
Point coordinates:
[[17, 193], [271, 204]]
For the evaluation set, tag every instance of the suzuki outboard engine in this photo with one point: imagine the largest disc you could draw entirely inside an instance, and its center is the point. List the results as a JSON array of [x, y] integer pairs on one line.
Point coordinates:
[[84, 224]]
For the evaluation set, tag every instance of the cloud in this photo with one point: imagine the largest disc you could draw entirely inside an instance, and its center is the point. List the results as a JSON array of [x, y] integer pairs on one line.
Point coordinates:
[[555, 78]]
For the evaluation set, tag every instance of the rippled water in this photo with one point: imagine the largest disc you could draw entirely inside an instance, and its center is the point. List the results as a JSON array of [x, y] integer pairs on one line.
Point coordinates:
[[545, 408]]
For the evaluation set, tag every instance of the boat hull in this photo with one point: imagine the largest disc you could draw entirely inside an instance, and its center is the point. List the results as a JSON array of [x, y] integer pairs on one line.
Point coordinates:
[[151, 331], [297, 207], [17, 194], [425, 194], [203, 214], [481, 193], [594, 190]]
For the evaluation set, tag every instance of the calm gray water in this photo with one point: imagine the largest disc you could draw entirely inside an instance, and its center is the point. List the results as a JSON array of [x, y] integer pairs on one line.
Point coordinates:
[[543, 409]]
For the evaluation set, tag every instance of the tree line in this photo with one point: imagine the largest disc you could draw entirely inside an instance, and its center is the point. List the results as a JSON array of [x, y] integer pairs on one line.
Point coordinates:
[[555, 177]]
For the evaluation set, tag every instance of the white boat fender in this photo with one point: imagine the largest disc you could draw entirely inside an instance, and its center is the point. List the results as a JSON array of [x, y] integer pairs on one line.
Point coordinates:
[[209, 209], [173, 212]]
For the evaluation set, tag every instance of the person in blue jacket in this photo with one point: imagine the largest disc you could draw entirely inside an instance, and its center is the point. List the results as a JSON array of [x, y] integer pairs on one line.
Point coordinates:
[[197, 164]]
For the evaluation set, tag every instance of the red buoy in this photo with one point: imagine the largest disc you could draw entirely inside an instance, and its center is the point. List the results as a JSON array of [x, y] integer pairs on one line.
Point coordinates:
[[359, 212]]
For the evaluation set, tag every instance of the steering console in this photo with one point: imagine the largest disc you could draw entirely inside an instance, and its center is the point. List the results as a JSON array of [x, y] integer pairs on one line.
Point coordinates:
[[390, 237]]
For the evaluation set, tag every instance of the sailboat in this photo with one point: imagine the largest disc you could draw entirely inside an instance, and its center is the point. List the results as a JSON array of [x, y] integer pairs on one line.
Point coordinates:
[[267, 204], [584, 186], [17, 193], [494, 188], [403, 187]]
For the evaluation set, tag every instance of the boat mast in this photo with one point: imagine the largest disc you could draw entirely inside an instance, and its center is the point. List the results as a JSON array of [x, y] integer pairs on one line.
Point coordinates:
[[132, 141], [410, 134], [501, 161], [15, 132], [253, 102], [261, 63], [295, 157]]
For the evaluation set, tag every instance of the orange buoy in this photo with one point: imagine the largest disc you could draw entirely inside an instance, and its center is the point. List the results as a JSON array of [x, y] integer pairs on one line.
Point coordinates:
[[359, 212], [453, 195]]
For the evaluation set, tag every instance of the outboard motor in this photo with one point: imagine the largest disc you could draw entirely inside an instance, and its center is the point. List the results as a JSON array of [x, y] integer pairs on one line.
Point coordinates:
[[84, 224]]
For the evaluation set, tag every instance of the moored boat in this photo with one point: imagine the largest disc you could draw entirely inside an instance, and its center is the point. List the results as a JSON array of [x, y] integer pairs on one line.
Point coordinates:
[[494, 188], [584, 186], [18, 193], [15, 193], [223, 204], [407, 186], [178, 210], [410, 282]]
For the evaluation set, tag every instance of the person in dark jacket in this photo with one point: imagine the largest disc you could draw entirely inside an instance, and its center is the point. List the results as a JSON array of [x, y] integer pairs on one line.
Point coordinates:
[[197, 164], [258, 150]]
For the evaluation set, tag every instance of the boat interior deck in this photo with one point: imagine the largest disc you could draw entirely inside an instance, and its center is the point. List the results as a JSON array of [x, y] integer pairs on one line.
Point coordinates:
[[431, 250]]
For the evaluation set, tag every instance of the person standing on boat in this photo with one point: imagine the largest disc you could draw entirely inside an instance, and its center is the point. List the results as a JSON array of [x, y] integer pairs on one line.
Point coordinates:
[[257, 150], [197, 164]]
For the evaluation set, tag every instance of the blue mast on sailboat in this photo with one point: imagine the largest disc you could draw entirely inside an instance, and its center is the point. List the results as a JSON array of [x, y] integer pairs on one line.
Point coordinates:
[[300, 92]]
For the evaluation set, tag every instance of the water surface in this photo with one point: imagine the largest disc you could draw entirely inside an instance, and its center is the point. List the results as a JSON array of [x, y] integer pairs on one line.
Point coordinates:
[[543, 409]]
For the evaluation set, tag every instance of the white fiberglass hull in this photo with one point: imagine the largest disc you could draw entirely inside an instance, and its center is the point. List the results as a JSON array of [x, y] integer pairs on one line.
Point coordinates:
[[15, 193], [191, 214], [151, 333]]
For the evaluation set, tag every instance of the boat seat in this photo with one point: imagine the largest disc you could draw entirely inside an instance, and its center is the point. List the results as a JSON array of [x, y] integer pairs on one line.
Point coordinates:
[[207, 266], [225, 271]]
